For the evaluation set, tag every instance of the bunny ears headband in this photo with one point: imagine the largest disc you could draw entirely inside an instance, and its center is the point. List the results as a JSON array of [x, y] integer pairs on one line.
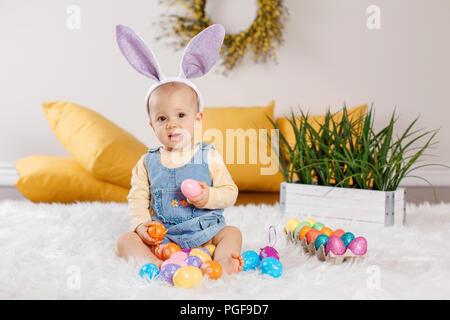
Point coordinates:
[[199, 56]]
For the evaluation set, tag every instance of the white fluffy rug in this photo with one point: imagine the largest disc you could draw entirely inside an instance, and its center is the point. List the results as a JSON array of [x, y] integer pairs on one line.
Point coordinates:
[[69, 252]]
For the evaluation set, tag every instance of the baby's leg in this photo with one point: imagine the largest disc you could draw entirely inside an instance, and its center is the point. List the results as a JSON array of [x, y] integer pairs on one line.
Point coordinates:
[[228, 242], [131, 247]]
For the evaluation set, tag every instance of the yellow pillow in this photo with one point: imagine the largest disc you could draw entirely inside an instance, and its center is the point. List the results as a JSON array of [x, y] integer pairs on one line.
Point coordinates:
[[62, 179], [249, 170], [315, 121], [101, 147]]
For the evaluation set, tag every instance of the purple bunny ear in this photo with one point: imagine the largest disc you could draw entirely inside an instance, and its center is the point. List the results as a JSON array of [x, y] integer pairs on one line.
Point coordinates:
[[202, 51], [138, 54]]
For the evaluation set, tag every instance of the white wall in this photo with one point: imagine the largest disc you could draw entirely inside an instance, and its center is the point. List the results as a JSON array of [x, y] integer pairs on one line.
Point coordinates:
[[329, 56]]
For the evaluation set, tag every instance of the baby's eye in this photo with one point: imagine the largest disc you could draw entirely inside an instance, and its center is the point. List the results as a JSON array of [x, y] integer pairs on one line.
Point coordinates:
[[161, 118], [181, 114]]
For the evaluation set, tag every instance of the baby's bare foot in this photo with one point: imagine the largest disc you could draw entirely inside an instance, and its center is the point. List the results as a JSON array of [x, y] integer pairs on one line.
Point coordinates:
[[233, 264]]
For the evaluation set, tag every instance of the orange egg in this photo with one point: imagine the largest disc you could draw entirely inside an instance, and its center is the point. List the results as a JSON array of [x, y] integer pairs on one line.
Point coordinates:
[[312, 235], [338, 232], [169, 249], [326, 231], [157, 231], [212, 268], [303, 231]]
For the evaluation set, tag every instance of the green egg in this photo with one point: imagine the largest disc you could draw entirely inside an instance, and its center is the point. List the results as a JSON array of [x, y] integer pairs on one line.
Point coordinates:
[[318, 226], [299, 227]]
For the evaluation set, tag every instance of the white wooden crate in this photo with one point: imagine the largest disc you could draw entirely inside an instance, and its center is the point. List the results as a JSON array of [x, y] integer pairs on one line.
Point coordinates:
[[381, 207]]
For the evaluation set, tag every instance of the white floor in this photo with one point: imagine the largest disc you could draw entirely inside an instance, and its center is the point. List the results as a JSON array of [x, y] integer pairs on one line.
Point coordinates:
[[68, 251]]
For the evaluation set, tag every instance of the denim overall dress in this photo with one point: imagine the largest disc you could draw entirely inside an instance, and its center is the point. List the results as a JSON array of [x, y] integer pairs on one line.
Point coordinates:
[[187, 225]]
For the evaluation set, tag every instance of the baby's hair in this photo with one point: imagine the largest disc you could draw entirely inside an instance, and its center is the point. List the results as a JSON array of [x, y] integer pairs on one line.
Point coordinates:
[[169, 87]]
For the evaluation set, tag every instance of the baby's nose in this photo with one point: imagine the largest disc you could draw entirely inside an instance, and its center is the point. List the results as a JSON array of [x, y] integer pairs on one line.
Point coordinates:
[[172, 124]]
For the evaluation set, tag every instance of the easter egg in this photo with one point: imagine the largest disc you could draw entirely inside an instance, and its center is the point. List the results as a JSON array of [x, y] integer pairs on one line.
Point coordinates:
[[168, 271], [291, 225], [251, 260], [190, 188], [169, 249], [157, 231], [326, 231], [187, 277], [304, 223], [312, 235], [311, 221], [335, 245], [321, 240], [338, 232], [303, 232], [202, 255], [193, 261], [179, 255], [212, 268], [358, 246], [211, 248], [347, 238], [299, 228], [318, 226], [149, 271], [178, 262], [205, 250], [271, 266], [268, 252]]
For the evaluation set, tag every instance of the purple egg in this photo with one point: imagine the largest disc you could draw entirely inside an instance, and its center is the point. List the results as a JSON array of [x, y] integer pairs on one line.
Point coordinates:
[[193, 261], [336, 245], [168, 270], [186, 251], [268, 252], [358, 246]]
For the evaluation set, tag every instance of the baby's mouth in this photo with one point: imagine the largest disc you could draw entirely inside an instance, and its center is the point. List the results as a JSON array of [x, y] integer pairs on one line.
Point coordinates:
[[175, 136]]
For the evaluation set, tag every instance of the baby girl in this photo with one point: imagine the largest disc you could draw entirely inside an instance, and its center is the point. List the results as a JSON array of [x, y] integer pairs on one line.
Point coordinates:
[[174, 106]]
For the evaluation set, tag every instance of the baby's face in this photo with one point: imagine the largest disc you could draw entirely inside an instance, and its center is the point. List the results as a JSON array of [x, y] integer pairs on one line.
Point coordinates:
[[173, 114]]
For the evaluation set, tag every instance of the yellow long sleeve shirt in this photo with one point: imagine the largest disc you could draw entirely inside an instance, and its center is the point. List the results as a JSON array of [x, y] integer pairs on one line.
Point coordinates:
[[222, 194]]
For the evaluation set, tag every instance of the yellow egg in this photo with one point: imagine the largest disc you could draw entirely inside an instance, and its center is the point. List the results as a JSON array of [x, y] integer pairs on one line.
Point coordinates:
[[311, 221], [291, 225], [211, 248], [187, 277], [202, 255]]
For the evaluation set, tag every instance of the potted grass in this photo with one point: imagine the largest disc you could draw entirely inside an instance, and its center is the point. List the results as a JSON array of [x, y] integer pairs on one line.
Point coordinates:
[[343, 168]]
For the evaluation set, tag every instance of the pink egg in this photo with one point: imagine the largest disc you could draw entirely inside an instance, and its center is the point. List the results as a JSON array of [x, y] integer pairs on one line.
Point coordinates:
[[180, 255], [358, 246], [179, 262], [336, 245], [190, 188]]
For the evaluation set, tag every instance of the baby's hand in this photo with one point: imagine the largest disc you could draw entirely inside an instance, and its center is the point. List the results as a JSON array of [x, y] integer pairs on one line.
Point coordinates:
[[142, 231], [202, 199]]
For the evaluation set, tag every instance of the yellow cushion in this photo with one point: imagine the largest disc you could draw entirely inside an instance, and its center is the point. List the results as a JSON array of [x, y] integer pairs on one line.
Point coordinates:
[[247, 175], [101, 147], [62, 179]]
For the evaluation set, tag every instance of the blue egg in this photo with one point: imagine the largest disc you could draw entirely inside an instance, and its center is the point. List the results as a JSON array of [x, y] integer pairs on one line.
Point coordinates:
[[271, 266], [321, 240], [251, 260], [149, 271], [347, 238]]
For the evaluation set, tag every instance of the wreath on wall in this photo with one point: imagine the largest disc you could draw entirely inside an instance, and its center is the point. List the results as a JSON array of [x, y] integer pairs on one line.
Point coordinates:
[[260, 36]]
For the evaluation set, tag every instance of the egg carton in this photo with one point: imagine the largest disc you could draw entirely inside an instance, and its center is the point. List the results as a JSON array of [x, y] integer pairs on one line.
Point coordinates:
[[320, 253]]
